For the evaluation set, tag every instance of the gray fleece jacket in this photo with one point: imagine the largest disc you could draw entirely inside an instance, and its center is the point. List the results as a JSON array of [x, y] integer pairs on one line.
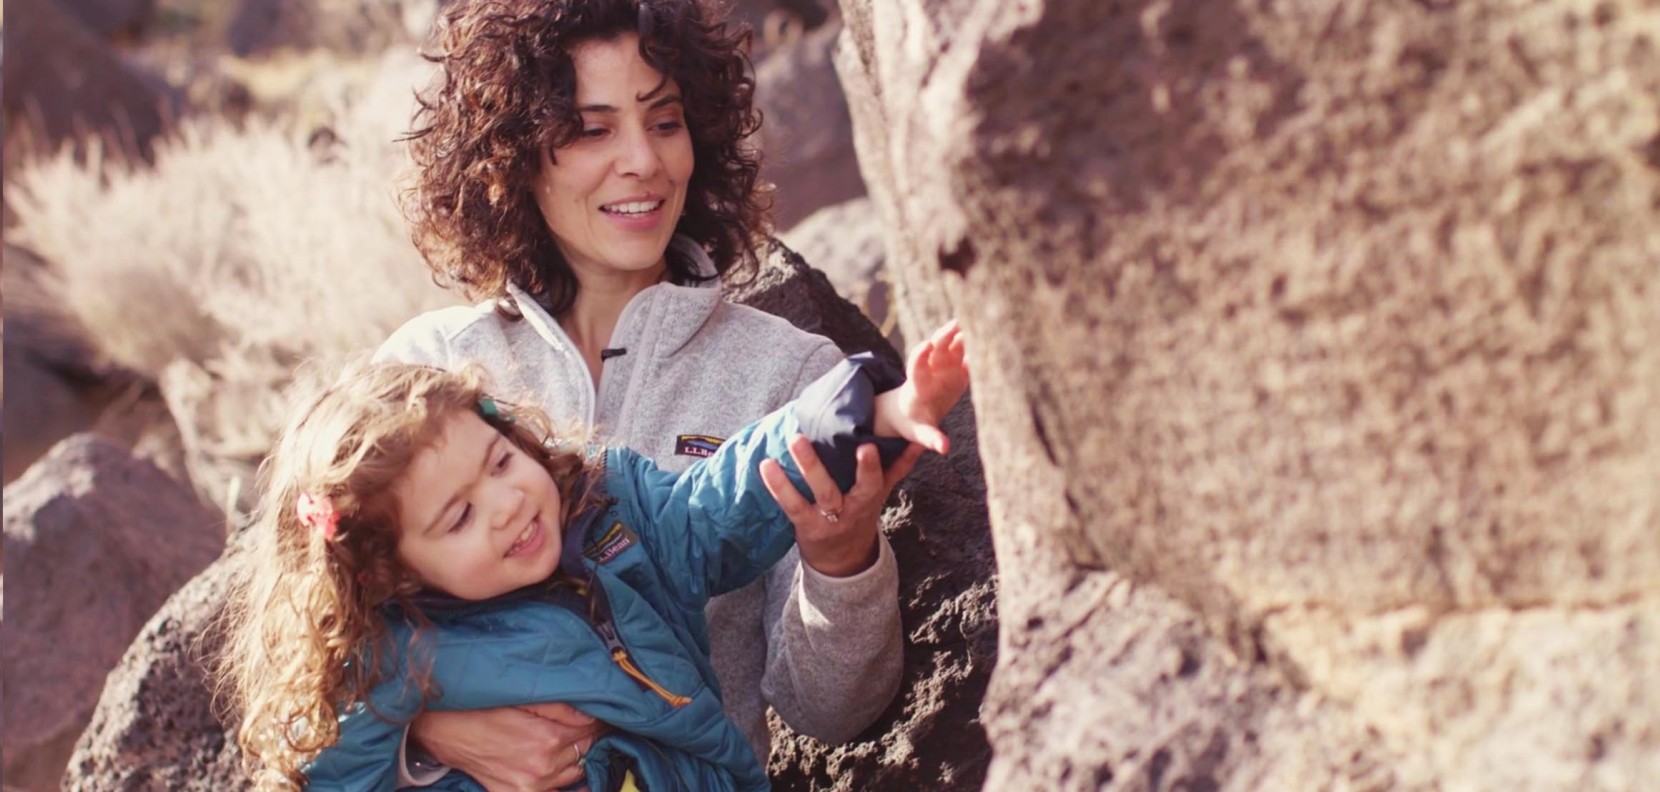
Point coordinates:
[[692, 370]]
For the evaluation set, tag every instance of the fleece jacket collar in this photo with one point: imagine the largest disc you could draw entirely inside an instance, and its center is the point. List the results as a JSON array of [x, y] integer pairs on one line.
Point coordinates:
[[664, 316]]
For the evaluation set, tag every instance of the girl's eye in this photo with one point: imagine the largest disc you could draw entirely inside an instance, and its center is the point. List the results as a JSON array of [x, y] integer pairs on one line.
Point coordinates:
[[593, 132], [461, 519], [674, 125], [501, 464]]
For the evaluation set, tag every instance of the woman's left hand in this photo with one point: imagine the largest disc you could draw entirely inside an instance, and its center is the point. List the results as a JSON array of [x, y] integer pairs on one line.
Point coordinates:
[[837, 535]]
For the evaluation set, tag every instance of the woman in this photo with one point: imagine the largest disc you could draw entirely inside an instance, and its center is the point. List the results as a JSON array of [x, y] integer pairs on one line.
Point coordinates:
[[582, 169]]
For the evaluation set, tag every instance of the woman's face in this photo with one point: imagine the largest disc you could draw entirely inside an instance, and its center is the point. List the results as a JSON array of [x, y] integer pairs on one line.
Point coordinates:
[[612, 196]]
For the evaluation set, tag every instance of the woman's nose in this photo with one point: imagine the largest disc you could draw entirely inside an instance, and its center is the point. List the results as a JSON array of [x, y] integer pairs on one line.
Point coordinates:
[[639, 156]]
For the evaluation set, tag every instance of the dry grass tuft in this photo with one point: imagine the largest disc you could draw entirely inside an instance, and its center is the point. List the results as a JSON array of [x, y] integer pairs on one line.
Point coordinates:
[[240, 254]]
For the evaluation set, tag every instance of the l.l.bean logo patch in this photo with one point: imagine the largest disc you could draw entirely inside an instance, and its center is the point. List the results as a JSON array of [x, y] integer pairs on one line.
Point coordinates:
[[697, 445], [616, 539]]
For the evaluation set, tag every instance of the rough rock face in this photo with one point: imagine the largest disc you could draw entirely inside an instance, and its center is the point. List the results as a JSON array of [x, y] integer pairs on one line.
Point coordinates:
[[1317, 357], [154, 728], [95, 542]]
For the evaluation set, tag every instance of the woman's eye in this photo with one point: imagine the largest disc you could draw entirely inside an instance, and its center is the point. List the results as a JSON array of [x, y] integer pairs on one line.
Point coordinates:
[[670, 126], [501, 464], [593, 132]]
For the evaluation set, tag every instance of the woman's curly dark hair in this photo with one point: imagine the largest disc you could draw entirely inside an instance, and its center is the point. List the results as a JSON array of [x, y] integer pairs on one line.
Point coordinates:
[[505, 92]]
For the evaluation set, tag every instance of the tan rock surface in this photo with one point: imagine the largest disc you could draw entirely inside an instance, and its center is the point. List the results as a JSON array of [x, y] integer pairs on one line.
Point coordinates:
[[1333, 327]]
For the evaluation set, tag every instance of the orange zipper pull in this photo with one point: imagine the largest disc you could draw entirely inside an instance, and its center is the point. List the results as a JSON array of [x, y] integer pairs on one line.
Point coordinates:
[[628, 667]]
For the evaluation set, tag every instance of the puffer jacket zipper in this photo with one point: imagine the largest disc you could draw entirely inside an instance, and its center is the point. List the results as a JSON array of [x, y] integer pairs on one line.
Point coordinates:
[[606, 627]]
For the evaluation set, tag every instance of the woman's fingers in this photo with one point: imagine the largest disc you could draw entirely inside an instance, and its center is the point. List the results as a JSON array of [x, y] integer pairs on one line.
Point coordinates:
[[536, 752], [560, 713], [869, 482], [566, 777], [826, 495], [778, 483]]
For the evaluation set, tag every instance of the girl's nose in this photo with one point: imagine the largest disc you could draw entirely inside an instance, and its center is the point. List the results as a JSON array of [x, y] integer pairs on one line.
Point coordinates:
[[509, 500]]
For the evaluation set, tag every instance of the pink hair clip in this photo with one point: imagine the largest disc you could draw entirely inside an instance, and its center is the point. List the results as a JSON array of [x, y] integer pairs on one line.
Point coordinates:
[[318, 514]]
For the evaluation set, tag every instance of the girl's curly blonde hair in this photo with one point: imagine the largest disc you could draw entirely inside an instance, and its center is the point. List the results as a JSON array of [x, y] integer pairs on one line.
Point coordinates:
[[304, 627]]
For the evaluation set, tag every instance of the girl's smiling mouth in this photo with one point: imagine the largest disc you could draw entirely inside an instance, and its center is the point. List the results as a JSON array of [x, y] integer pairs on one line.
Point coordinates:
[[530, 540]]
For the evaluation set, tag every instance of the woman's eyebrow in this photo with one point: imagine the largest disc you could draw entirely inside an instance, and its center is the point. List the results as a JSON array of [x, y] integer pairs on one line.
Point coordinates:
[[662, 101]]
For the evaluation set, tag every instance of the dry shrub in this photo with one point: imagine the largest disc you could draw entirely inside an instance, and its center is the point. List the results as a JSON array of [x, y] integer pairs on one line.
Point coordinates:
[[242, 252]]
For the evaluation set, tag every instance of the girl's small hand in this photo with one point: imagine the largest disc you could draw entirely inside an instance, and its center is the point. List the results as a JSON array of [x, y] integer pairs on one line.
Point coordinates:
[[936, 377]]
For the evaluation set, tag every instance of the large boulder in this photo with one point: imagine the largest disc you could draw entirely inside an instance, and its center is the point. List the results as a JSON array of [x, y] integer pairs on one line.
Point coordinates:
[[779, 22], [155, 728], [95, 542], [48, 370], [63, 85], [1317, 360], [264, 28], [807, 136], [844, 241], [111, 19]]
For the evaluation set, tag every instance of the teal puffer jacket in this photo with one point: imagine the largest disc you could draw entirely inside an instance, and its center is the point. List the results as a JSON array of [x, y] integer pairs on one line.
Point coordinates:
[[633, 651]]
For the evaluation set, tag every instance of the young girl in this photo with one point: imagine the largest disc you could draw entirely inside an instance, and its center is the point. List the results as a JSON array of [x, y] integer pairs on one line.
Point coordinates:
[[420, 545]]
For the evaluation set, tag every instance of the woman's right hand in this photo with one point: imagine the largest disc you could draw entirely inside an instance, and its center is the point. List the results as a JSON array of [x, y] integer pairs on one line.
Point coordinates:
[[509, 749]]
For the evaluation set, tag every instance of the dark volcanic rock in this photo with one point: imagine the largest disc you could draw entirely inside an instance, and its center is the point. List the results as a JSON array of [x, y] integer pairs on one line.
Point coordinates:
[[930, 737], [154, 727], [95, 542]]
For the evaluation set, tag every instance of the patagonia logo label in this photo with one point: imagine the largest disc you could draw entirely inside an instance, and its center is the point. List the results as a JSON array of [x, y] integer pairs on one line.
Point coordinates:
[[616, 539], [697, 445]]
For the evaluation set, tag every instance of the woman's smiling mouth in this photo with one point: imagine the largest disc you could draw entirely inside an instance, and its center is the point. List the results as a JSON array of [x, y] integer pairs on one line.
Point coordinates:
[[633, 208]]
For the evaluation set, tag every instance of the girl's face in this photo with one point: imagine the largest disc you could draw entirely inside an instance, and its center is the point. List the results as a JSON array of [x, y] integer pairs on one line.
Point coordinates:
[[477, 516], [612, 197]]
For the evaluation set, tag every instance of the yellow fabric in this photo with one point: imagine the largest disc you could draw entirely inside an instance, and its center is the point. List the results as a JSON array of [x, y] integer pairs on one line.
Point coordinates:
[[628, 782]]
